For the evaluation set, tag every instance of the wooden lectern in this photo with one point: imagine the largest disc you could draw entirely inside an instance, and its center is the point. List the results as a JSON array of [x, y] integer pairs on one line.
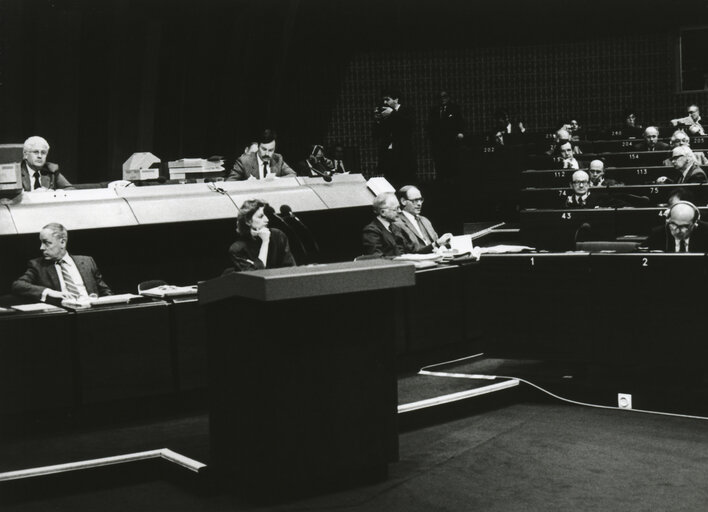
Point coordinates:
[[302, 376]]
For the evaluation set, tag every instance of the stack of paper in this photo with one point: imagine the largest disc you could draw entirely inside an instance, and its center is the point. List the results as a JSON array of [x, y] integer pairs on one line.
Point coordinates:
[[193, 168]]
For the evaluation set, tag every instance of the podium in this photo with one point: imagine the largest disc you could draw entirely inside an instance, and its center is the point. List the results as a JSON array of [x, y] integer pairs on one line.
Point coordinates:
[[302, 376]]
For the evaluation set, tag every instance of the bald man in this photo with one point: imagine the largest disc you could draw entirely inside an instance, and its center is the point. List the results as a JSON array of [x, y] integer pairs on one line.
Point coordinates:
[[651, 141], [683, 231], [597, 173]]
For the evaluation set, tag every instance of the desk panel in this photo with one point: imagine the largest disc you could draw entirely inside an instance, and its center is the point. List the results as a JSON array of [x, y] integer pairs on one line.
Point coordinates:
[[7, 225], [345, 191], [75, 209], [559, 229], [177, 203], [188, 329], [276, 192], [36, 362], [124, 352]]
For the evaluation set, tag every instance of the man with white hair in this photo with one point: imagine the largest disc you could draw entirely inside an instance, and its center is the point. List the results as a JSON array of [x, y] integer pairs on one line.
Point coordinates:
[[37, 173], [684, 162], [680, 138]]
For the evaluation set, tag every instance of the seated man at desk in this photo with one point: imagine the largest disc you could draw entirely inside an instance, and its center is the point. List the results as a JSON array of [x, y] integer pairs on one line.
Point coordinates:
[[258, 246], [692, 122], [679, 138], [596, 170], [684, 161], [651, 141], [567, 159], [57, 275], [683, 231], [381, 237], [37, 173], [581, 196], [418, 230], [264, 163]]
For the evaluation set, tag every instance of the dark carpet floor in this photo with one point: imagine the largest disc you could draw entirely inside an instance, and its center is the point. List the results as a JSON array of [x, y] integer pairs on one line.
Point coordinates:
[[521, 457]]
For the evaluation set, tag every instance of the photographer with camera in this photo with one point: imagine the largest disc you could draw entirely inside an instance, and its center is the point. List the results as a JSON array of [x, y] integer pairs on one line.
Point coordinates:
[[393, 130]]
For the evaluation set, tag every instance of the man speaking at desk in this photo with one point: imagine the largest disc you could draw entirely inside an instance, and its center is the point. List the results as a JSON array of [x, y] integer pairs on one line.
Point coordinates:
[[684, 231], [57, 275], [418, 230]]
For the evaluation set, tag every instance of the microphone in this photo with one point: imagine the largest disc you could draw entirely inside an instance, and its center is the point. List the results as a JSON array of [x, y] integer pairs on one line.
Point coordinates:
[[325, 175], [286, 211]]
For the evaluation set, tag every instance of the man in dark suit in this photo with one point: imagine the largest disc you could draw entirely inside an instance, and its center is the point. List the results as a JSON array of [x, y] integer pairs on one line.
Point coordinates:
[[393, 129], [683, 231], [582, 196], [419, 234], [264, 163], [381, 237], [684, 161], [445, 127], [58, 275], [37, 173], [651, 141]]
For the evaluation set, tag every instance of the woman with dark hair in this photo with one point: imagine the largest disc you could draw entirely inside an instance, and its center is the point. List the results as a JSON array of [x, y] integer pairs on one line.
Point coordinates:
[[258, 246]]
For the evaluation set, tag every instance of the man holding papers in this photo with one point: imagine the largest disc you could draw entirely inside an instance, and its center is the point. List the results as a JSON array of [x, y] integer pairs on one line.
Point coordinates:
[[57, 275], [418, 230]]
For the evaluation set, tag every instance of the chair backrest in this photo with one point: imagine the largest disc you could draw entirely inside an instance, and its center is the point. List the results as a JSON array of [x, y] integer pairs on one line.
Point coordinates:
[[10, 153]]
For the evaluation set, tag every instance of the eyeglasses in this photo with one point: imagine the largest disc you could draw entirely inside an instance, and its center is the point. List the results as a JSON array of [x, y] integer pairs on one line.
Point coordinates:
[[416, 200], [693, 111], [583, 182], [679, 227], [38, 152], [676, 157]]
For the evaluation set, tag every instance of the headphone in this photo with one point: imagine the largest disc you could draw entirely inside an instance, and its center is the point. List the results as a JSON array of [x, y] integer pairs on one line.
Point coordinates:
[[696, 211]]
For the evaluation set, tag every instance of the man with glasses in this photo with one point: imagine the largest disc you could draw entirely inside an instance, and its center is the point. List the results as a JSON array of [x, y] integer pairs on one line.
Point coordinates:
[[381, 238], [684, 162], [581, 196], [683, 231], [419, 233], [692, 122], [37, 173], [679, 138]]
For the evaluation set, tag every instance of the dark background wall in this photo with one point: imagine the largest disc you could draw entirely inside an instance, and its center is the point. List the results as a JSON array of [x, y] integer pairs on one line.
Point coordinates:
[[188, 78]]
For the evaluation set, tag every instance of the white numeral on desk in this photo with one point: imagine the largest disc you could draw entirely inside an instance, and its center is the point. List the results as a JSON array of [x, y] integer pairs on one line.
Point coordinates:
[[641, 171], [533, 262], [565, 215], [645, 262]]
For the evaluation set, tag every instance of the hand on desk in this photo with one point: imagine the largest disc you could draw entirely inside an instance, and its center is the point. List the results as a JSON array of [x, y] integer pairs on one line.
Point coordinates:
[[444, 240]]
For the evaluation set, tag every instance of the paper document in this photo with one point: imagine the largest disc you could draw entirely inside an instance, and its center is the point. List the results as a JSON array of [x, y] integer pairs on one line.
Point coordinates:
[[39, 306], [168, 290]]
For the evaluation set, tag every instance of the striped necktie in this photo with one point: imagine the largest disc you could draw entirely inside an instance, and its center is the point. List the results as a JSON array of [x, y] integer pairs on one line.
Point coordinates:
[[69, 282]]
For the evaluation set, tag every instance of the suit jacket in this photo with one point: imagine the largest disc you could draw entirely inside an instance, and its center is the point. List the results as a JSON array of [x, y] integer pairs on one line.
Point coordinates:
[[50, 177], [414, 243], [379, 241], [247, 166], [41, 273], [660, 146], [244, 252], [660, 239], [694, 175], [445, 125], [700, 159], [592, 201]]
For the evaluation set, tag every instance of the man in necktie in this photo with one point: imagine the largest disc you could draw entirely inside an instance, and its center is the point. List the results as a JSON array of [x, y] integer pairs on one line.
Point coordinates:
[[683, 231], [651, 141], [37, 173], [264, 163], [420, 235], [57, 275]]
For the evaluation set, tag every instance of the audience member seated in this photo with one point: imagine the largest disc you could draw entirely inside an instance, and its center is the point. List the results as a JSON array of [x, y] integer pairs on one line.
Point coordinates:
[[684, 162], [596, 171], [37, 173], [419, 233], [506, 126], [258, 246], [631, 129], [581, 196], [381, 237], [560, 138], [679, 194], [566, 160], [679, 138], [651, 141], [57, 275], [575, 130], [316, 164], [683, 231], [265, 163], [692, 122]]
